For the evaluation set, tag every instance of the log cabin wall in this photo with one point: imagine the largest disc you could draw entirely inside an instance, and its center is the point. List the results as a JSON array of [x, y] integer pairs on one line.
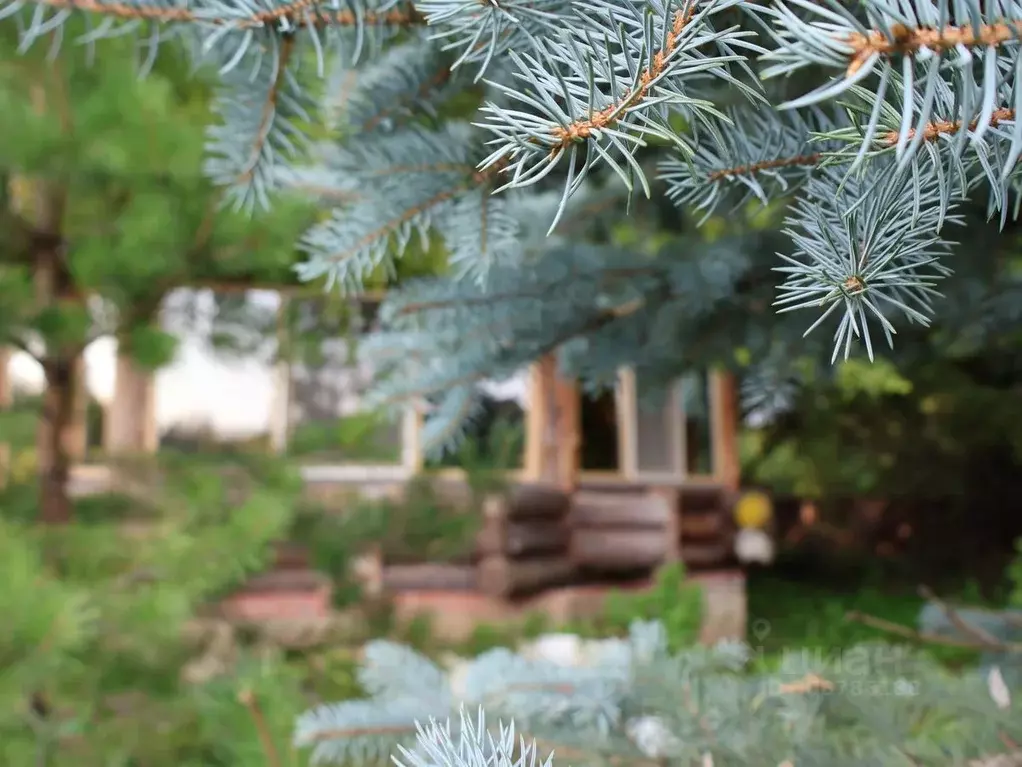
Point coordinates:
[[671, 493], [626, 522], [537, 536]]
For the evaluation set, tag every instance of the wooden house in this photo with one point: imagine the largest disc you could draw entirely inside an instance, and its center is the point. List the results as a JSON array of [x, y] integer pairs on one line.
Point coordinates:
[[606, 487]]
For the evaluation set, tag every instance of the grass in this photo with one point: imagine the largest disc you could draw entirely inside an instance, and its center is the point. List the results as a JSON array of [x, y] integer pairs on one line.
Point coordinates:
[[785, 614]]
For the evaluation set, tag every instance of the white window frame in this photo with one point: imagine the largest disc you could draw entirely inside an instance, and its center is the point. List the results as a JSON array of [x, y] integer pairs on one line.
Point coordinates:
[[409, 464], [626, 400]]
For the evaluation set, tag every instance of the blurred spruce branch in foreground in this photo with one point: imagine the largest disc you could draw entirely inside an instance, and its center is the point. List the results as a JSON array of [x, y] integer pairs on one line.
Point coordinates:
[[634, 701]]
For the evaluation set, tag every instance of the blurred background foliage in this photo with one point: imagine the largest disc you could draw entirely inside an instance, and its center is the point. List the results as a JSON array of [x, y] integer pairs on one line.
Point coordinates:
[[98, 614]]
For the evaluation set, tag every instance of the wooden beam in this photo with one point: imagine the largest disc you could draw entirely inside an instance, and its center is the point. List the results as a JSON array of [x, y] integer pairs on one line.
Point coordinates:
[[411, 439], [672, 496], [552, 426], [567, 431], [504, 578], [637, 510], [130, 423], [626, 401], [675, 417], [726, 463], [622, 549], [547, 370], [535, 425]]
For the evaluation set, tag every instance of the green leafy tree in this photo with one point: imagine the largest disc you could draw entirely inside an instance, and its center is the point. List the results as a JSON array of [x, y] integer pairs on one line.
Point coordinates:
[[107, 211]]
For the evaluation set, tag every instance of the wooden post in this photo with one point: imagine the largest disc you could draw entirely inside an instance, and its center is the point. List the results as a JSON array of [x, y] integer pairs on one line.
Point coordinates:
[[568, 419], [626, 398], [131, 418], [552, 427], [534, 426], [411, 439], [725, 426]]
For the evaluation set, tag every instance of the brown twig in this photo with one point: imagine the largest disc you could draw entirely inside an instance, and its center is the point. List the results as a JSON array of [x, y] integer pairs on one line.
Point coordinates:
[[956, 620], [300, 12], [931, 132], [938, 128], [924, 637], [287, 48], [906, 41], [583, 129], [758, 167], [248, 699]]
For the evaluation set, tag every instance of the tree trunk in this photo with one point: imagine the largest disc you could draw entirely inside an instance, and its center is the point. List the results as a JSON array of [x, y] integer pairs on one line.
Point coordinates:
[[42, 202], [56, 434], [59, 432]]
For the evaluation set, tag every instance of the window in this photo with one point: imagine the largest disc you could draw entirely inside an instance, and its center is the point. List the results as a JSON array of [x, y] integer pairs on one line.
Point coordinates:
[[20, 392], [25, 383], [601, 438], [696, 405], [657, 440], [218, 393], [100, 371], [327, 380], [640, 433]]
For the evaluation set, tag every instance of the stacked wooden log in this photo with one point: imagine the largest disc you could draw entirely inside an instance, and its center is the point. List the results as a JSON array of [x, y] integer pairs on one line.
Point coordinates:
[[429, 576], [523, 542], [624, 531], [534, 537], [636, 529], [707, 532]]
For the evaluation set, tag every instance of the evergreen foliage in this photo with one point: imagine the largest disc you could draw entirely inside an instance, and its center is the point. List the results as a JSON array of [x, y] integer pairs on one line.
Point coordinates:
[[98, 616], [867, 129], [635, 701], [106, 211], [513, 132]]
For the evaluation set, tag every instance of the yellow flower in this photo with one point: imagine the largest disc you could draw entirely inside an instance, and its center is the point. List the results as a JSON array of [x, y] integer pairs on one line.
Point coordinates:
[[753, 510]]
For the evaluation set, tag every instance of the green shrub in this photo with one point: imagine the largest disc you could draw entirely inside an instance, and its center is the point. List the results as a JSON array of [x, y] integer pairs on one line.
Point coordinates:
[[675, 603], [418, 528], [95, 616], [360, 437], [1014, 576]]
